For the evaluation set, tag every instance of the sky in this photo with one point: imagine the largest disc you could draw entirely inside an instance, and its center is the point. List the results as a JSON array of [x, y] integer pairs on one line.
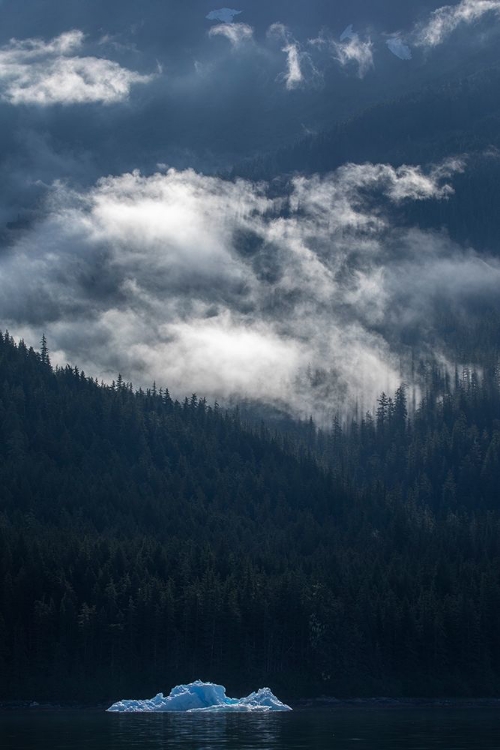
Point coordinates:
[[123, 242]]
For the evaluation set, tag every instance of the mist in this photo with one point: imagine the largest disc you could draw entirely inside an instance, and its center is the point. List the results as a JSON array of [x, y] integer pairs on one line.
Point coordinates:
[[307, 301]]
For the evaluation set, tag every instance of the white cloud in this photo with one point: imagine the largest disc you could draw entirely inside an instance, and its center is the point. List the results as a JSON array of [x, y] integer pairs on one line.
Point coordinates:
[[294, 76], [234, 355], [350, 50], [236, 33], [300, 70], [208, 285], [43, 73], [355, 51], [445, 20], [341, 197]]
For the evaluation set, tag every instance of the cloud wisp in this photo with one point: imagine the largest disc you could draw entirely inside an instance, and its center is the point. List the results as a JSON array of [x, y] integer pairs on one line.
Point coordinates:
[[300, 69], [236, 33], [350, 50], [356, 51], [445, 20], [215, 287], [34, 72]]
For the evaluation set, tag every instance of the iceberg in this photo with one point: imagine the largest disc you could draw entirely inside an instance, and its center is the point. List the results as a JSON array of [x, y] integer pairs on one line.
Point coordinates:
[[399, 48], [202, 697], [226, 15]]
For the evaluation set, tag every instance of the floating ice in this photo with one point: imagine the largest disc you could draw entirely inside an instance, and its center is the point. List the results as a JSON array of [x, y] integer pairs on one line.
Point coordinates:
[[399, 48], [225, 15], [202, 696], [348, 33]]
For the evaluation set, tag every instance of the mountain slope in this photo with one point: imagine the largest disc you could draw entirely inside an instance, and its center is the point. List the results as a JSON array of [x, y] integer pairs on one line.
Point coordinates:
[[144, 542]]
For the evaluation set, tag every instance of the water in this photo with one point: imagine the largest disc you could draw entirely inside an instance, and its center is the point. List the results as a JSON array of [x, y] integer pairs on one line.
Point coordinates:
[[338, 729]]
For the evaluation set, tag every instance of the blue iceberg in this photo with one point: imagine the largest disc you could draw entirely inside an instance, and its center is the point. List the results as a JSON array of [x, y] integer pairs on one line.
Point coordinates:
[[202, 697]]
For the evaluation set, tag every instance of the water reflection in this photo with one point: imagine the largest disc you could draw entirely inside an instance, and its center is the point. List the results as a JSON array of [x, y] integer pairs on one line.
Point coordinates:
[[436, 729], [202, 731]]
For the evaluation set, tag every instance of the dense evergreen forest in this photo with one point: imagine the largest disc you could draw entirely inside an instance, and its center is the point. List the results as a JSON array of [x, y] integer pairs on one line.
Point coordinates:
[[146, 541]]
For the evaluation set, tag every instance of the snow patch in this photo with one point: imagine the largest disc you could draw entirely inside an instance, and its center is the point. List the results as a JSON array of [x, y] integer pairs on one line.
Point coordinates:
[[202, 696], [226, 15]]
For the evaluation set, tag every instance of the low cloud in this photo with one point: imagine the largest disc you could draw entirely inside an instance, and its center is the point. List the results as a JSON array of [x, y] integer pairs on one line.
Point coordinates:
[[350, 50], [45, 73], [300, 70], [445, 20], [294, 76], [236, 33], [355, 51], [218, 287]]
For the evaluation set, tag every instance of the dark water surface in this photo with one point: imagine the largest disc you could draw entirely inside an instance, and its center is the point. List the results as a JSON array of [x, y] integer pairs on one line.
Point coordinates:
[[337, 729]]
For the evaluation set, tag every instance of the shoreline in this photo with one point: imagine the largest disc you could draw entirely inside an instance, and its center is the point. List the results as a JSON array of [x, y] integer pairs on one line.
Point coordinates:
[[324, 702]]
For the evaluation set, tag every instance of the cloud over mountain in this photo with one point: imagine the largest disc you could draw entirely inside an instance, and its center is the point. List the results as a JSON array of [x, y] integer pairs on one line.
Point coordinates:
[[236, 33], [300, 69], [445, 20], [218, 287], [351, 49], [44, 73], [222, 287]]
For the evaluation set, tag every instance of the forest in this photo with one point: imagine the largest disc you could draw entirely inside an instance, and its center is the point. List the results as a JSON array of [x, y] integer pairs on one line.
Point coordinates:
[[146, 541]]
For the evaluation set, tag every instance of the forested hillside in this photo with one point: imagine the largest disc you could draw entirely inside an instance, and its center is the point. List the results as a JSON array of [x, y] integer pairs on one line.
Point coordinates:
[[145, 542]]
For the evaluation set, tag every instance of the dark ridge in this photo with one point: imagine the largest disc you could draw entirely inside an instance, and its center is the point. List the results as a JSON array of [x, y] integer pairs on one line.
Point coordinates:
[[146, 542]]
